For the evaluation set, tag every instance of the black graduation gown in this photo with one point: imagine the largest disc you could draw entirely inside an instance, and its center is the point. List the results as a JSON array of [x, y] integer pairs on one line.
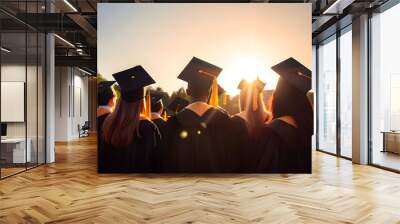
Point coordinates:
[[248, 147], [141, 156], [223, 110], [100, 121], [160, 123], [243, 145], [197, 144], [286, 149]]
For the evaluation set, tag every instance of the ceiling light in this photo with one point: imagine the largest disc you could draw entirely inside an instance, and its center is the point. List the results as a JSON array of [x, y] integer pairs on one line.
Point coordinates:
[[5, 50], [84, 71], [338, 6], [70, 5], [64, 40]]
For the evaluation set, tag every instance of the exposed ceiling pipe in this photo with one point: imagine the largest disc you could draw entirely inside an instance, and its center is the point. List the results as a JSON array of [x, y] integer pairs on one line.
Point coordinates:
[[84, 24]]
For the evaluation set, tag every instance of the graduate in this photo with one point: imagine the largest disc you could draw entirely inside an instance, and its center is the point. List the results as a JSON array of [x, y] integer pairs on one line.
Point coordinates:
[[249, 123], [130, 140], [177, 104], [287, 138], [157, 109], [105, 99], [253, 111], [196, 136], [221, 95]]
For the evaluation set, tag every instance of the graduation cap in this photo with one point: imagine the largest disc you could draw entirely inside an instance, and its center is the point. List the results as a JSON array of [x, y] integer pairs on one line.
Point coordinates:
[[258, 84], [257, 87], [177, 104], [104, 93], [199, 72], [132, 82], [294, 73], [243, 84], [156, 97], [203, 74]]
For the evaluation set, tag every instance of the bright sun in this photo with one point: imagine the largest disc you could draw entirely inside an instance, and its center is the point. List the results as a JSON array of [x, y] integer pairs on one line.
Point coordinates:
[[248, 68]]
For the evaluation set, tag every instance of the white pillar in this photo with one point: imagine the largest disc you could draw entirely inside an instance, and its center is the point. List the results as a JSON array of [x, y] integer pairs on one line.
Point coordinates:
[[50, 92], [50, 99], [360, 89]]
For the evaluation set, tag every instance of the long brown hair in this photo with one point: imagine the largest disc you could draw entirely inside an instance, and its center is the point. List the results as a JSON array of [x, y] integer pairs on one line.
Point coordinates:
[[120, 126], [255, 118], [288, 101]]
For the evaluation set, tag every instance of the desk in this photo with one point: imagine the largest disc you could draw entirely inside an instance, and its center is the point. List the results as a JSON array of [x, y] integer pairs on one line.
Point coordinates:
[[13, 150], [391, 141]]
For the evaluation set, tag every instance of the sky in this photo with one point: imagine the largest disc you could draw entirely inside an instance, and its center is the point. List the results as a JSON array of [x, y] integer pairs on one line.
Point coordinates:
[[245, 40]]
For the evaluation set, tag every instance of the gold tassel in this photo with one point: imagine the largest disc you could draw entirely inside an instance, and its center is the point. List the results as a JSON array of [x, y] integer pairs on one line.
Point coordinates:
[[255, 99], [224, 99], [165, 115], [148, 106], [214, 94], [143, 111]]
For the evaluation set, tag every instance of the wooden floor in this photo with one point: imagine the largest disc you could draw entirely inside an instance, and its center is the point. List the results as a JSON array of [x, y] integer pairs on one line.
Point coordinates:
[[70, 191]]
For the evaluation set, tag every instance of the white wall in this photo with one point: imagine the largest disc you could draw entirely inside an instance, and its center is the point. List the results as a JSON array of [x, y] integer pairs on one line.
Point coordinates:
[[16, 73], [33, 127], [71, 103]]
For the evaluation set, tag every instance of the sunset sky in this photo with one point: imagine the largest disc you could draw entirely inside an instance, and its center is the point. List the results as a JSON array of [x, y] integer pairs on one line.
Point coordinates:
[[243, 39]]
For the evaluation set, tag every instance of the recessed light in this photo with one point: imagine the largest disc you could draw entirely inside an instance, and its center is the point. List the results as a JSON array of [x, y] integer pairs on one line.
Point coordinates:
[[64, 40], [5, 50], [70, 5]]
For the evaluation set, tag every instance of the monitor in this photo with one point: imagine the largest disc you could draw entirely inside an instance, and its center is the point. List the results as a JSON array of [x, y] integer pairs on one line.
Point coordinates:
[[3, 129]]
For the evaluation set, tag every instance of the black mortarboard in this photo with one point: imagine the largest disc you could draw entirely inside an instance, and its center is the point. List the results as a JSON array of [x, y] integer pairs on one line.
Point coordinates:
[[243, 84], [177, 104], [258, 84], [199, 72], [132, 81], [295, 73], [104, 92], [156, 97]]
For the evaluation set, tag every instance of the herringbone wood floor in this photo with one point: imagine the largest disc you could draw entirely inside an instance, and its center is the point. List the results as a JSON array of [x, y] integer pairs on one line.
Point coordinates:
[[70, 191]]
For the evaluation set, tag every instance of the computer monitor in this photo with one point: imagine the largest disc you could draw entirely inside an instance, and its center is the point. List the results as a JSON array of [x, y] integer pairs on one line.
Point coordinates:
[[3, 129]]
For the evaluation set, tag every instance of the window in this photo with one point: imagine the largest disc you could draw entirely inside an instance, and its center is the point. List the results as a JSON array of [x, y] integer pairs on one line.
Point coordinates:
[[346, 93], [385, 89], [327, 96]]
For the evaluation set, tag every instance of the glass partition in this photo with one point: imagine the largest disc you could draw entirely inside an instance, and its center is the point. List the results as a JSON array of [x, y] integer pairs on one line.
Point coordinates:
[[22, 77], [14, 153], [31, 97]]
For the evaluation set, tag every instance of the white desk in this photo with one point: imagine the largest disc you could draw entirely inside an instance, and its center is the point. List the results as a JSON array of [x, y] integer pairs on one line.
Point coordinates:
[[17, 146]]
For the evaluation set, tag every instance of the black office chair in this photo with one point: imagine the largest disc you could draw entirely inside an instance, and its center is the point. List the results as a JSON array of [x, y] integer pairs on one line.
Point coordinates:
[[84, 130]]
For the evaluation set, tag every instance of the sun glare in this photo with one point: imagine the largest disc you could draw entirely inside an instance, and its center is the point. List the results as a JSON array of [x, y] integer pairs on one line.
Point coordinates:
[[248, 68]]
